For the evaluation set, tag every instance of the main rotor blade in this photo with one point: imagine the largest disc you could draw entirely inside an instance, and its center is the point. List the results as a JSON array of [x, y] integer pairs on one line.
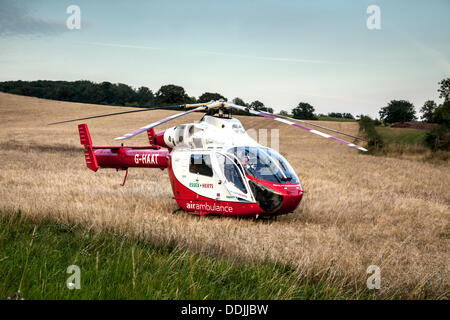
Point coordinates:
[[117, 113], [157, 123], [276, 118], [200, 106], [316, 125]]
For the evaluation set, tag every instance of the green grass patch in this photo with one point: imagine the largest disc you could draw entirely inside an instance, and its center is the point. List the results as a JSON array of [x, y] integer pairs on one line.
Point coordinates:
[[404, 136], [35, 255]]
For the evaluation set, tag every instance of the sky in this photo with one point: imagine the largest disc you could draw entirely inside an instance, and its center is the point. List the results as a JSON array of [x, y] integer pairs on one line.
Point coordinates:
[[279, 52]]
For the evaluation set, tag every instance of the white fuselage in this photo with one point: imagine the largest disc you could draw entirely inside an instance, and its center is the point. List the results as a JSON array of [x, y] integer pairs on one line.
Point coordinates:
[[210, 133], [211, 137]]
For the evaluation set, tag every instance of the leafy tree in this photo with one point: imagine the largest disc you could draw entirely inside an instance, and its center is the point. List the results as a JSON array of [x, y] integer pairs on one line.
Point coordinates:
[[347, 116], [192, 99], [335, 115], [428, 110], [398, 111], [240, 102], [171, 94], [444, 90], [283, 113], [208, 96], [91, 94], [442, 114], [304, 111], [107, 88], [439, 138], [257, 105], [340, 115], [124, 94], [144, 97]]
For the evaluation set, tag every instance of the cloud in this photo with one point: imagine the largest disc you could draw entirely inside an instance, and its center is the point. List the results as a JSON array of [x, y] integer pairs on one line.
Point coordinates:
[[224, 54], [15, 20], [435, 55], [104, 44], [280, 59]]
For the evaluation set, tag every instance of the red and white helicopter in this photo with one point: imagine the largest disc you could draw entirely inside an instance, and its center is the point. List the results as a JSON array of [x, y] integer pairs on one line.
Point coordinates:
[[214, 166]]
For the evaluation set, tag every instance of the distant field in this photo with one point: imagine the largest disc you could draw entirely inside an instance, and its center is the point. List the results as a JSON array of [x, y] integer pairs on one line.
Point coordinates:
[[358, 210], [322, 118], [402, 135]]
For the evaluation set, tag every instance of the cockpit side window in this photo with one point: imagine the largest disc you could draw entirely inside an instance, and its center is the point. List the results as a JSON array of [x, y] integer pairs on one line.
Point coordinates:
[[264, 164], [201, 164]]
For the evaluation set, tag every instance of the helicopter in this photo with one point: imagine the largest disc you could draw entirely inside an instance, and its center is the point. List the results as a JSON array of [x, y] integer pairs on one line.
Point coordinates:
[[214, 165]]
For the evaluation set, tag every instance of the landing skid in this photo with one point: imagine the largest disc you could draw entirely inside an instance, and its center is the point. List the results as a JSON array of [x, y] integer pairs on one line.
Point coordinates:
[[177, 210], [196, 213], [266, 218]]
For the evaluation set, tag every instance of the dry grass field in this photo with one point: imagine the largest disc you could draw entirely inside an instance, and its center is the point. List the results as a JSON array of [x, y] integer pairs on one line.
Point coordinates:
[[358, 210]]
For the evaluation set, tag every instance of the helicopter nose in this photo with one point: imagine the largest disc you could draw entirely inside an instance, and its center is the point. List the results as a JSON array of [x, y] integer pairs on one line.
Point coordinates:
[[291, 199]]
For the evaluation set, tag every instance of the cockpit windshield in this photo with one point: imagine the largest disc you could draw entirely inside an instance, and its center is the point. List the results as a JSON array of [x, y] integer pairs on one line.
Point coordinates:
[[264, 164]]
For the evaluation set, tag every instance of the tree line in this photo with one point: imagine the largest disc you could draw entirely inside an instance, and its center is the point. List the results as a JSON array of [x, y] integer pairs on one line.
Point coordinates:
[[116, 94], [119, 94]]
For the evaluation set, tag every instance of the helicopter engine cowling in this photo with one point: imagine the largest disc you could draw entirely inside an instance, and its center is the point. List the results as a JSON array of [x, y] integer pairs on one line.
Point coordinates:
[[168, 137], [189, 135], [159, 140]]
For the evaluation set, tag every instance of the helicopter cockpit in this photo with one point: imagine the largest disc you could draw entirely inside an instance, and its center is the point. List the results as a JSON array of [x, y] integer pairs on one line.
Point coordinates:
[[263, 165]]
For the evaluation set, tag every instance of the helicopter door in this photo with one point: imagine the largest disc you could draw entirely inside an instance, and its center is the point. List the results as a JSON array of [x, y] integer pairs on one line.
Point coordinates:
[[200, 176], [232, 177]]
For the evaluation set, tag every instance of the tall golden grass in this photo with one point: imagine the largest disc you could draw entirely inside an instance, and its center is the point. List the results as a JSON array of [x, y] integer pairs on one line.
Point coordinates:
[[358, 210]]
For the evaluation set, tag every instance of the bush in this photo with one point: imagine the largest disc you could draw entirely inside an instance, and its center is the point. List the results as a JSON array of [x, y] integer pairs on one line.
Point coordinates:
[[438, 139], [377, 122], [374, 140], [441, 114]]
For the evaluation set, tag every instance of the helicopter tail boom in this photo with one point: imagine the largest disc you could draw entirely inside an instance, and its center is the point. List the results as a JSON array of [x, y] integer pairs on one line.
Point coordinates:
[[121, 157], [128, 157]]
